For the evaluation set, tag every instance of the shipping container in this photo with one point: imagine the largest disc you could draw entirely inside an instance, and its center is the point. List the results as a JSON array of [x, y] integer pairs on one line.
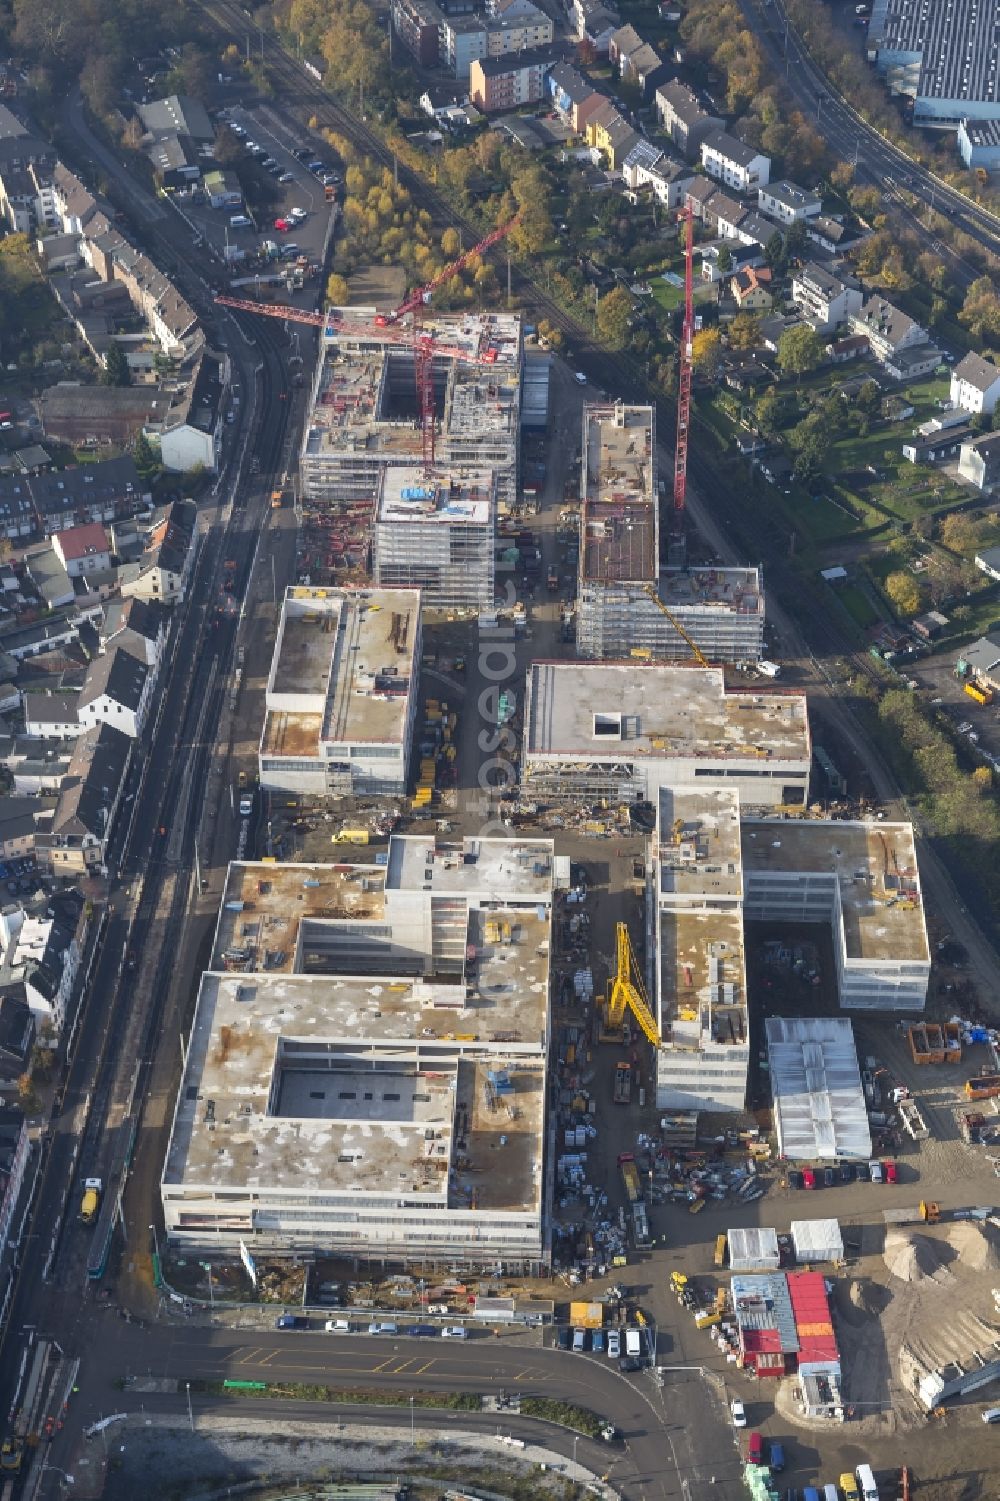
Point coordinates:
[[586, 1315]]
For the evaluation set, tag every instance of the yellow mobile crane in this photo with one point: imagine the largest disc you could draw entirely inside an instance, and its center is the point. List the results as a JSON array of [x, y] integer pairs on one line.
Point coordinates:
[[696, 650], [627, 990]]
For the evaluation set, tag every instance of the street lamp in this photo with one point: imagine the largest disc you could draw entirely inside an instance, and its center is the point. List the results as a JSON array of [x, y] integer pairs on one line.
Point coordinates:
[[576, 1440], [413, 1436], [187, 1388], [156, 1243]]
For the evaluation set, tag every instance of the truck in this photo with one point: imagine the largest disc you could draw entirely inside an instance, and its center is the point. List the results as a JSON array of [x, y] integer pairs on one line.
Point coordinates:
[[913, 1122], [91, 1201], [979, 693], [351, 836], [640, 1224], [630, 1177], [922, 1213], [768, 669], [623, 1083]]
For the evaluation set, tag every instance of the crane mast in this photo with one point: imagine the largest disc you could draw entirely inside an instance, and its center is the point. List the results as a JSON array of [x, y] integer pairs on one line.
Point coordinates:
[[684, 383]]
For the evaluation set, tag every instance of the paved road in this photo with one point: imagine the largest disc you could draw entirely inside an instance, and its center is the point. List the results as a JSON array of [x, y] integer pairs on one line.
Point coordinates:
[[852, 138]]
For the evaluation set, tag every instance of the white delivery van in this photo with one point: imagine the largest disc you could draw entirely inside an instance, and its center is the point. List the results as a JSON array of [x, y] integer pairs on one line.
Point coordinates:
[[633, 1342], [239, 221], [866, 1483]]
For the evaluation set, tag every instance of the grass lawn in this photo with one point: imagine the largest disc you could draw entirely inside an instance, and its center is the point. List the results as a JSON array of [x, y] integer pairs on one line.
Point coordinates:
[[671, 298], [858, 605]]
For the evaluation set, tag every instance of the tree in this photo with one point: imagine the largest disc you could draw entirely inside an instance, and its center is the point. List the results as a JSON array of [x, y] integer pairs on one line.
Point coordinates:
[[586, 53], [809, 440], [959, 532], [903, 593], [613, 314], [767, 412], [796, 239], [869, 398], [744, 331], [800, 350], [706, 351], [27, 1094], [982, 779], [451, 244], [116, 371], [981, 310], [724, 260], [774, 251], [145, 457]]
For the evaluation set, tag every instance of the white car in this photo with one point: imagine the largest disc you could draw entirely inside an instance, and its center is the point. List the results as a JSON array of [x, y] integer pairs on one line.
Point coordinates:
[[614, 1344], [580, 378], [455, 1331], [337, 1326], [246, 806], [875, 1168], [738, 1414]]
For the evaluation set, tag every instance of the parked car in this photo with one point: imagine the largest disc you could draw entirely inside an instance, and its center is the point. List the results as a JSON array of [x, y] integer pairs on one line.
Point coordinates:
[[579, 1341], [776, 1454], [562, 1339], [423, 1331], [454, 1331], [808, 1178], [890, 1172], [794, 1178], [246, 805], [755, 1449], [991, 1415], [337, 1326], [829, 1177], [738, 1412], [630, 1363], [614, 1344], [291, 1321], [875, 1168], [597, 1341], [862, 1171], [845, 1172]]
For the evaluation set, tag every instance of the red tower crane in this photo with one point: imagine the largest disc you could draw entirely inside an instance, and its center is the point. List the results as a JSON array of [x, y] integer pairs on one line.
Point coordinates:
[[684, 384], [385, 328]]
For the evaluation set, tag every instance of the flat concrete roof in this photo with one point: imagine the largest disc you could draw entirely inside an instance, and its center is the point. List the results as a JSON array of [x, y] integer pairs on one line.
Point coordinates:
[[662, 710], [699, 844], [342, 669], [701, 956], [737, 589], [819, 1105], [409, 496], [875, 865], [619, 522], [263, 907], [492, 870]]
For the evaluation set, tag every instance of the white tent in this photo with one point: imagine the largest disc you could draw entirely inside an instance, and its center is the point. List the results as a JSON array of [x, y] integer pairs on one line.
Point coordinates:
[[753, 1250], [817, 1240]]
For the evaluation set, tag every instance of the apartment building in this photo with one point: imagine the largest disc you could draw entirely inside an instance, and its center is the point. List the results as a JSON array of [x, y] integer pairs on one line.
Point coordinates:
[[365, 1072], [787, 203], [437, 533], [732, 162], [505, 83], [896, 340], [975, 384], [684, 119], [342, 692], [462, 39], [825, 298]]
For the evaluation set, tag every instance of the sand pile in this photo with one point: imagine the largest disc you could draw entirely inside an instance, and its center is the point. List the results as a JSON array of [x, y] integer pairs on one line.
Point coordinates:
[[867, 1298], [977, 1245], [911, 1258]]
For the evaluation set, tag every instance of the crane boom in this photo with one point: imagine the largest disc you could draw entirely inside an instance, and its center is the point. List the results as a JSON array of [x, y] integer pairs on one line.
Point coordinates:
[[684, 383], [424, 294], [272, 310], [696, 650], [628, 990]]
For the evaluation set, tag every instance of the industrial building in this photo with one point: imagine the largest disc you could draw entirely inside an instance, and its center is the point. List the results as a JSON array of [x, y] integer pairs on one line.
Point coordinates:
[[341, 694], [436, 532], [943, 57], [620, 579], [665, 726], [365, 1073], [784, 1324], [820, 1113], [364, 413]]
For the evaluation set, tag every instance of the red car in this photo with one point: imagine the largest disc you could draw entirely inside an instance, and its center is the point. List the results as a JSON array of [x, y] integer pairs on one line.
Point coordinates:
[[889, 1172], [755, 1450], [282, 226], [808, 1178]]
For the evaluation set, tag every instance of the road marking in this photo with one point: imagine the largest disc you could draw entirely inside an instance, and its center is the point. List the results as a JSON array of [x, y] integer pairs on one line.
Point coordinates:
[[251, 1355], [425, 1367], [382, 1367]]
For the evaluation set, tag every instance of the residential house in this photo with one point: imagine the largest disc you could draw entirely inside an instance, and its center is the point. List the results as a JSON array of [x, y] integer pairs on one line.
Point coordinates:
[[176, 160], [505, 83], [649, 167], [696, 193], [52, 716], [975, 385], [15, 1153], [732, 162], [895, 339], [189, 428], [936, 447], [684, 119], [19, 819], [740, 258], [137, 625], [988, 562], [75, 205], [979, 462], [723, 215], [978, 143], [750, 289], [636, 61], [162, 572], [26, 165], [89, 494], [50, 579], [850, 347], [417, 23], [222, 189], [83, 549], [77, 837], [754, 229], [825, 298], [595, 22], [787, 203], [116, 691], [574, 96], [39, 636], [624, 41], [40, 960], [610, 134], [832, 234]]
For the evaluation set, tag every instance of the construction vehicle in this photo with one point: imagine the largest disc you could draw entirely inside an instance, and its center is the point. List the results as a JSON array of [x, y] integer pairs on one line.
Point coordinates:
[[623, 1083], [979, 693], [983, 1087], [913, 1122], [387, 329], [627, 991], [91, 1201], [685, 635], [721, 1247], [924, 1212], [630, 1177]]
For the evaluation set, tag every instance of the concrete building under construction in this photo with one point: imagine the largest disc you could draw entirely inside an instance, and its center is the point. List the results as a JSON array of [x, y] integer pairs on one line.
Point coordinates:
[[436, 532], [620, 578], [364, 414]]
